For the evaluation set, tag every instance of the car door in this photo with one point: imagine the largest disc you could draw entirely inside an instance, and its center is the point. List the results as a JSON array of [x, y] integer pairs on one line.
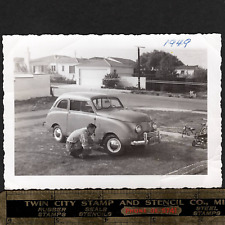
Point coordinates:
[[80, 115]]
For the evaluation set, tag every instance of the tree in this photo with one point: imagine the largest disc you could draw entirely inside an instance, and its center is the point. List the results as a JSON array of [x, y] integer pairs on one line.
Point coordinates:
[[200, 75], [111, 80], [160, 63]]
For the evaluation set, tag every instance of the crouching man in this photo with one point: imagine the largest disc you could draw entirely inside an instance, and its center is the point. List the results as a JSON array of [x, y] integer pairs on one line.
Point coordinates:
[[80, 142]]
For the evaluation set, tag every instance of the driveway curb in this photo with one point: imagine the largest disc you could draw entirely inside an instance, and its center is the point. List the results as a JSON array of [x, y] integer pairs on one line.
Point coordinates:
[[192, 169], [172, 110]]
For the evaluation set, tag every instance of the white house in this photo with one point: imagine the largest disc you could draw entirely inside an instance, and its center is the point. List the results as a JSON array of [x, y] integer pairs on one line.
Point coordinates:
[[124, 67], [92, 71], [56, 64], [186, 71], [66, 67]]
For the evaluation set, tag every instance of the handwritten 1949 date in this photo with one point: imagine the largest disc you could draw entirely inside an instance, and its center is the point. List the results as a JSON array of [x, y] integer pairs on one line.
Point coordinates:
[[181, 43]]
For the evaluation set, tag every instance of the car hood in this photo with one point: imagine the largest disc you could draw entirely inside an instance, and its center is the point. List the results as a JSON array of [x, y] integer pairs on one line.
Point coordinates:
[[125, 115]]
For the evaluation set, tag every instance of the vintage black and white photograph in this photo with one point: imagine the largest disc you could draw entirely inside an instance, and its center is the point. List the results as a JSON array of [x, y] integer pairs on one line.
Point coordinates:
[[112, 111]]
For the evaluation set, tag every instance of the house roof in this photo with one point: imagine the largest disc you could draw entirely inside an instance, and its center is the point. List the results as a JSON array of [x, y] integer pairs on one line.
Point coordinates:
[[80, 60], [94, 62], [186, 67], [67, 60], [124, 61], [114, 63], [107, 62], [83, 62], [54, 59]]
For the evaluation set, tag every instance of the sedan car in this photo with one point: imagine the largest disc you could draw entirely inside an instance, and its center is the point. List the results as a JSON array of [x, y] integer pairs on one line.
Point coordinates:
[[117, 126]]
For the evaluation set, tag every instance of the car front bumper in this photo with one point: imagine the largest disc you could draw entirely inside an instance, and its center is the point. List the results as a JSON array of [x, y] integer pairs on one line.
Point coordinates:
[[150, 138]]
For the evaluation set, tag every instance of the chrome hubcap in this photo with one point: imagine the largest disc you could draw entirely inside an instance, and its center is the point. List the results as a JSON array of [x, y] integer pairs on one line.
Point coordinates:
[[114, 145], [57, 134]]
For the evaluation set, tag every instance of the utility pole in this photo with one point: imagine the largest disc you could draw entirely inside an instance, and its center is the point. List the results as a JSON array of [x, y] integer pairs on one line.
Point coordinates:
[[27, 59], [139, 67]]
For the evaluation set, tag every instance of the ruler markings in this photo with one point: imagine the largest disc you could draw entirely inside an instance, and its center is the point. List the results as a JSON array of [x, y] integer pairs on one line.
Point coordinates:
[[116, 194]]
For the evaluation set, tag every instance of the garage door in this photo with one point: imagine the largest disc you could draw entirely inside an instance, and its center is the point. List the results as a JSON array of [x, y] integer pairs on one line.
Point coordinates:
[[92, 78]]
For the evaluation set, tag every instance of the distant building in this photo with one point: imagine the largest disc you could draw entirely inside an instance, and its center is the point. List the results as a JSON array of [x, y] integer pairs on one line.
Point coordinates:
[[27, 85], [186, 71], [56, 64], [87, 72], [92, 71]]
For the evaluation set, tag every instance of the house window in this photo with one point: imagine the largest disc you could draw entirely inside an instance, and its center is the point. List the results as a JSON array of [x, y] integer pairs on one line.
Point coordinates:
[[53, 68], [182, 72], [62, 68], [71, 69], [33, 69], [42, 69]]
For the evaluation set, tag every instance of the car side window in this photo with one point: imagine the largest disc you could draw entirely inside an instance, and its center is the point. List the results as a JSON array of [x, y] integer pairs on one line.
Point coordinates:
[[97, 103], [62, 104], [115, 103], [75, 105], [86, 107], [80, 106], [106, 103]]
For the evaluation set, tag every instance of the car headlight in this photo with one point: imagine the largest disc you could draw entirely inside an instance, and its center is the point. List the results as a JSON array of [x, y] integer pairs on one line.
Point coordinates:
[[138, 128]]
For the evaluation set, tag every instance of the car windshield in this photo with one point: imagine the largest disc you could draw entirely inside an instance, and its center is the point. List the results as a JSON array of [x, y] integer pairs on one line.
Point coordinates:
[[107, 103]]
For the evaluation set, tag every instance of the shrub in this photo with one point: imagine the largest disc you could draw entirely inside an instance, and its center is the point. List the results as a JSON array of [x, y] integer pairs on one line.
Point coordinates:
[[111, 80], [200, 75], [61, 79]]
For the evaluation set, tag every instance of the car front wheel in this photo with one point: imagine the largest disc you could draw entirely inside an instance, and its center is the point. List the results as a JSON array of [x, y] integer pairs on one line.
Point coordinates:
[[57, 134], [113, 145]]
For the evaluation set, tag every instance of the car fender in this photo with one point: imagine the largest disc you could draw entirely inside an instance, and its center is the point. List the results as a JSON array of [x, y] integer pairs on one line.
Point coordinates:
[[123, 130], [54, 117]]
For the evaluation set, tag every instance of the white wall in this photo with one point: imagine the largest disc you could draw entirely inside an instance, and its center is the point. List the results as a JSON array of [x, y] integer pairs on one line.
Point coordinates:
[[31, 86], [92, 78], [94, 69], [133, 82], [121, 71]]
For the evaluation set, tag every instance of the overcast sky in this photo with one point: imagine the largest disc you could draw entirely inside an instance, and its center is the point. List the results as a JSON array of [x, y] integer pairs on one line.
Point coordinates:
[[105, 46]]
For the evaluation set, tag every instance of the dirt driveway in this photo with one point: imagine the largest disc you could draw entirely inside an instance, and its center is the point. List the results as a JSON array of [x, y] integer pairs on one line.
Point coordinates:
[[37, 153]]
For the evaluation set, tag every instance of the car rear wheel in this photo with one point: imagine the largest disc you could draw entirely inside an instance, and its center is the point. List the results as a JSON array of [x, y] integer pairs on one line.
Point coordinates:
[[57, 134], [113, 145]]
